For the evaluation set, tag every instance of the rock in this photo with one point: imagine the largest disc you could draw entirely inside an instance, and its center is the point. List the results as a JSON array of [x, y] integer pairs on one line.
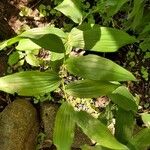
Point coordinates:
[[48, 114], [80, 138], [18, 126]]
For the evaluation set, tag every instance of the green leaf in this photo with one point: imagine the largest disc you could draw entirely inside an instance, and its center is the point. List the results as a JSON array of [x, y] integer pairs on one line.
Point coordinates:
[[100, 39], [46, 37], [145, 45], [13, 58], [97, 68], [90, 88], [146, 29], [124, 125], [141, 140], [147, 55], [37, 33], [32, 60], [136, 15], [56, 56], [27, 44], [64, 127], [71, 9], [97, 131], [112, 10], [29, 83], [146, 119], [50, 42], [9, 42], [124, 99]]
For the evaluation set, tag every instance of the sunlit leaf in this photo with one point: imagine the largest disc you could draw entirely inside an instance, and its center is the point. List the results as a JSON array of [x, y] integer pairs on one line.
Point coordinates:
[[71, 9], [32, 60], [9, 42], [90, 88], [29, 83], [101, 39], [27, 44], [98, 131], [46, 37], [37, 33], [50, 42], [64, 127], [146, 119], [97, 68], [124, 99], [141, 140], [56, 56]]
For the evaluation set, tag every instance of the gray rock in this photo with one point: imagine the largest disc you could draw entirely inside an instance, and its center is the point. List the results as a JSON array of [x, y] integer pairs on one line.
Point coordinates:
[[18, 126], [48, 114], [80, 138]]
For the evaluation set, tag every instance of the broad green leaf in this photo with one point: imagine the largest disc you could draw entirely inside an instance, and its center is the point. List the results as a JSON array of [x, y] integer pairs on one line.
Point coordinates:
[[135, 17], [141, 140], [71, 9], [32, 60], [97, 68], [124, 99], [64, 127], [20, 63], [50, 42], [97, 131], [56, 56], [124, 125], [146, 119], [27, 44], [112, 10], [37, 33], [90, 88], [46, 37], [100, 39], [9, 42], [29, 83], [13, 58]]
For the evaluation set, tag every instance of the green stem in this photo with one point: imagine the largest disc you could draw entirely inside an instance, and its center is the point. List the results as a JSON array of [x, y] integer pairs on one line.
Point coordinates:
[[63, 88]]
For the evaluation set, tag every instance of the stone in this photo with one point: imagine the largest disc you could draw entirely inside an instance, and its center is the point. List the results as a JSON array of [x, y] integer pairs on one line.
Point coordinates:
[[18, 126], [80, 139], [48, 114]]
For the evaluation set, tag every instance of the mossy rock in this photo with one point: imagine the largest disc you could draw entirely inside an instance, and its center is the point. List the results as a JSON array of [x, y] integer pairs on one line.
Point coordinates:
[[18, 126]]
